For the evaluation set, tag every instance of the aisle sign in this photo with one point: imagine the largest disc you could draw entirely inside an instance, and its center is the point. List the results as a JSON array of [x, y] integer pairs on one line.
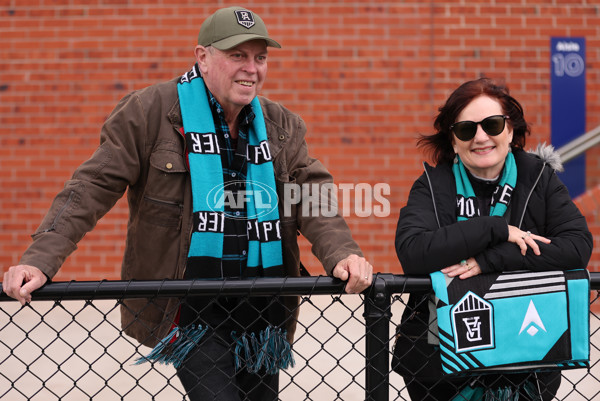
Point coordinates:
[[567, 64]]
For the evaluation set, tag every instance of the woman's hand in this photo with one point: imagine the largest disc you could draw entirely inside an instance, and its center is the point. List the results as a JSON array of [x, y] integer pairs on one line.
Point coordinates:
[[524, 239], [469, 267], [464, 269]]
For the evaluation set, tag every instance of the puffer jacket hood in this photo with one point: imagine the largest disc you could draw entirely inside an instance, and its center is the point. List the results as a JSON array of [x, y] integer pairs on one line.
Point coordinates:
[[548, 154]]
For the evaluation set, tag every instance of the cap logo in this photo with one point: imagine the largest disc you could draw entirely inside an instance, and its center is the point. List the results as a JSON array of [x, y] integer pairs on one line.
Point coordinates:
[[245, 18]]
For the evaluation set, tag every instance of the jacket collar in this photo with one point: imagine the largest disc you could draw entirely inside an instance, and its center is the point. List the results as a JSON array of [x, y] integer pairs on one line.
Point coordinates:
[[443, 189], [276, 135]]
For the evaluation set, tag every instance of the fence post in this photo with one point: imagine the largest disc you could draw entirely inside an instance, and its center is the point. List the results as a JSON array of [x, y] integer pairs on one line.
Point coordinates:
[[377, 324]]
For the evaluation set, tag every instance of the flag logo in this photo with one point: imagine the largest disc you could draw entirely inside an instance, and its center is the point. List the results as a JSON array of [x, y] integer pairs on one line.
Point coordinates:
[[472, 324], [532, 323]]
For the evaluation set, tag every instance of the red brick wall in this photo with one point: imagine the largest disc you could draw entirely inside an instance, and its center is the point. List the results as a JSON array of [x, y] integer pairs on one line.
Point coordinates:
[[589, 204], [367, 77]]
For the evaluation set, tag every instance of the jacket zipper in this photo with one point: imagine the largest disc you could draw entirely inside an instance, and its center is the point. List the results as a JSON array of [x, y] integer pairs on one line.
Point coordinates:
[[432, 196], [60, 212], [530, 193]]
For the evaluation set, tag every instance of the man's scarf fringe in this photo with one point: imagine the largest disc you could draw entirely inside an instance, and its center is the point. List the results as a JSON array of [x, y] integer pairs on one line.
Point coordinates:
[[175, 346], [269, 350]]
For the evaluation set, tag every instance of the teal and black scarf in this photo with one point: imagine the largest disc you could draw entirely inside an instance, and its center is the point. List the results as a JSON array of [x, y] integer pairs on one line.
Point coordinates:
[[467, 207], [260, 340], [208, 191], [466, 200]]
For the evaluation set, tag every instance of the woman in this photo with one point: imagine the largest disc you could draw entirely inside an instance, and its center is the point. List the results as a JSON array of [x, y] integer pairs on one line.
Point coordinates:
[[487, 206]]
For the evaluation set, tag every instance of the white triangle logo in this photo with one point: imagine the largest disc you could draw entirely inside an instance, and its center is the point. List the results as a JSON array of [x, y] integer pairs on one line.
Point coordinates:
[[532, 317]]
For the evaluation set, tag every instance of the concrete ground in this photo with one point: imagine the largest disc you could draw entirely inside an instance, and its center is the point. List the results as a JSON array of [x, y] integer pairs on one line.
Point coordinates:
[[74, 351]]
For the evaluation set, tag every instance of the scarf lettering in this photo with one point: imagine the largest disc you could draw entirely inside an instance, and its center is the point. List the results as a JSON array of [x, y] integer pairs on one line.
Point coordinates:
[[213, 222], [264, 231], [188, 76], [465, 207], [258, 154], [502, 195], [203, 143]]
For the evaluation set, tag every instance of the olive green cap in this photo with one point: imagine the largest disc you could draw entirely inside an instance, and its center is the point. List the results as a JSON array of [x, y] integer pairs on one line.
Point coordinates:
[[228, 27]]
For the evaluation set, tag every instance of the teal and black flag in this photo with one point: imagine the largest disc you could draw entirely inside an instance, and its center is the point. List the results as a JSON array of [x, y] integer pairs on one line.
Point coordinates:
[[513, 321]]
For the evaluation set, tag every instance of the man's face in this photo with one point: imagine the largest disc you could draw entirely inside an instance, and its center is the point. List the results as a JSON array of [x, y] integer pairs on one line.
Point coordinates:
[[234, 76]]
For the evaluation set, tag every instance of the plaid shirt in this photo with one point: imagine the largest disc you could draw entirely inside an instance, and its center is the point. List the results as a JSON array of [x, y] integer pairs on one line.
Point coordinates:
[[233, 160]]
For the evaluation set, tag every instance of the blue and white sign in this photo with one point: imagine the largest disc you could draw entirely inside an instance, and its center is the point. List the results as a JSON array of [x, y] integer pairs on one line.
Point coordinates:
[[567, 64]]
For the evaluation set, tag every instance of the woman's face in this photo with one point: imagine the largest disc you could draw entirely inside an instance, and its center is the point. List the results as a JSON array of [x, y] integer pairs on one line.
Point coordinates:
[[483, 155]]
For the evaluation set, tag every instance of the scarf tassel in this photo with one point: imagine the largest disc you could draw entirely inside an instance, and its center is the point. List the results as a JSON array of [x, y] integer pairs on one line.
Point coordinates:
[[270, 349], [502, 394], [175, 346], [511, 394]]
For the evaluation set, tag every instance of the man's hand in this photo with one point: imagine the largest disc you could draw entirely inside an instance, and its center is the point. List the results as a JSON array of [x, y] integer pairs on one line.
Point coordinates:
[[357, 271], [21, 280]]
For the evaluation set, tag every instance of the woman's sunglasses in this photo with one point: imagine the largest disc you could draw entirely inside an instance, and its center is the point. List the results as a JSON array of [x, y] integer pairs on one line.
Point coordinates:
[[466, 130]]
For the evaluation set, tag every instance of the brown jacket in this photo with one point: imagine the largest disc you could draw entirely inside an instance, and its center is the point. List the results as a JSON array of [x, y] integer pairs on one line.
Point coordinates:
[[142, 152]]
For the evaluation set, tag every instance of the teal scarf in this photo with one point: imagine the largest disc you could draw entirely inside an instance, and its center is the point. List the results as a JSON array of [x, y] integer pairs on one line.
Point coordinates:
[[466, 201], [260, 345], [467, 207], [208, 192]]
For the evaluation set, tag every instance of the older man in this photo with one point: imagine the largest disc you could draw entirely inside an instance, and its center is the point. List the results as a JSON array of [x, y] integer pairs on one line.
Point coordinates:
[[198, 156]]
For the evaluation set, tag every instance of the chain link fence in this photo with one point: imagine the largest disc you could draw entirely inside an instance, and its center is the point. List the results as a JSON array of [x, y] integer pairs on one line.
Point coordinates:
[[68, 343]]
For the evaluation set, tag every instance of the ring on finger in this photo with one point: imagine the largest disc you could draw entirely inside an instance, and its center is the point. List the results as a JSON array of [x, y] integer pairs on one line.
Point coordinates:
[[528, 234]]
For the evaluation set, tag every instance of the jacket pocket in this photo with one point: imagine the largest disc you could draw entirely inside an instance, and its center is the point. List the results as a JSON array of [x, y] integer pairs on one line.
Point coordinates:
[[167, 174], [153, 241], [162, 200], [161, 212], [167, 157], [154, 235]]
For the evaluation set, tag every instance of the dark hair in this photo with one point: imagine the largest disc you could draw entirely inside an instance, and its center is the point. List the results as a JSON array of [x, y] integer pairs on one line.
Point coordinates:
[[439, 145]]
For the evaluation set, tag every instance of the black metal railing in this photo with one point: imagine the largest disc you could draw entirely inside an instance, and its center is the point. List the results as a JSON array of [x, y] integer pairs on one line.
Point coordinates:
[[73, 347]]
